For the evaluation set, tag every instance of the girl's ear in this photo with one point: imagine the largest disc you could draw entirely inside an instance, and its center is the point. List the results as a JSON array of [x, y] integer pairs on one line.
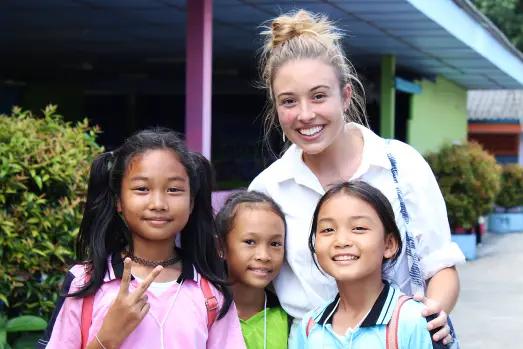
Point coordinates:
[[391, 246]]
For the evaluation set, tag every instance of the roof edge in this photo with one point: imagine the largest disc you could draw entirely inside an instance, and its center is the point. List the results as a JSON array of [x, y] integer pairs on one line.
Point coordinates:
[[489, 26]]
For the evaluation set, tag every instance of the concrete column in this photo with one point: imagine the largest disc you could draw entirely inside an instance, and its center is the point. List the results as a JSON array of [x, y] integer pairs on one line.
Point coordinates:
[[387, 96], [198, 85]]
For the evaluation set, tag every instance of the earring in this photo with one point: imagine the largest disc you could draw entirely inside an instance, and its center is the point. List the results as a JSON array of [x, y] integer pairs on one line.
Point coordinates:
[[283, 137]]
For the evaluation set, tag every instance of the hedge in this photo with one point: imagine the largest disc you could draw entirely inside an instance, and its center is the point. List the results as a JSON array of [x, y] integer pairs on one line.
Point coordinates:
[[44, 166]]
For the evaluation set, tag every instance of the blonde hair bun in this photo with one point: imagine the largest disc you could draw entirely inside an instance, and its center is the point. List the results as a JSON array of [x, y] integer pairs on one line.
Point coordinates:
[[305, 35], [298, 23]]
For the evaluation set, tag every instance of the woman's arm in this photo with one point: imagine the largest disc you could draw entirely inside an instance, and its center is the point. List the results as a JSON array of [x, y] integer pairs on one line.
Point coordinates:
[[443, 288]]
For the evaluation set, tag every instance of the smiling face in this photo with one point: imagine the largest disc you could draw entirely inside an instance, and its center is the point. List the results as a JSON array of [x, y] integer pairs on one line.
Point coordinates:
[[255, 245], [350, 239], [310, 103], [155, 197]]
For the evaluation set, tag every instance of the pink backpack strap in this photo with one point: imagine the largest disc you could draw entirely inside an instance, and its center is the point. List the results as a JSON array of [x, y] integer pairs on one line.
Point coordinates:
[[87, 317], [211, 303], [310, 325], [392, 327]]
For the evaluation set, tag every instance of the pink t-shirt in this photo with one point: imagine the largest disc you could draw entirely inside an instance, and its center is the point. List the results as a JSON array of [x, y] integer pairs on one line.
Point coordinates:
[[177, 318]]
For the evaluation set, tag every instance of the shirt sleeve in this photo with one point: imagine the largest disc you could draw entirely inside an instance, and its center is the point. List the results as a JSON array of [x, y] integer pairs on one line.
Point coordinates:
[[65, 332], [258, 185], [226, 332], [428, 215]]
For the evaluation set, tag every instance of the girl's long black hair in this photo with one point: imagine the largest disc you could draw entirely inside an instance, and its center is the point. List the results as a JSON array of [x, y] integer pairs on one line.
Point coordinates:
[[104, 233], [370, 195]]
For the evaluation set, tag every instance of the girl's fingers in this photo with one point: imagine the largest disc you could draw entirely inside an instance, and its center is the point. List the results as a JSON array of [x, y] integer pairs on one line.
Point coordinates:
[[126, 277], [140, 290], [142, 302], [145, 310]]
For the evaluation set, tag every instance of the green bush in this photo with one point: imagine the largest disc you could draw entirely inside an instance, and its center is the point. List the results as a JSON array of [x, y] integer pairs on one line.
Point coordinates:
[[22, 331], [511, 192], [44, 166], [469, 179]]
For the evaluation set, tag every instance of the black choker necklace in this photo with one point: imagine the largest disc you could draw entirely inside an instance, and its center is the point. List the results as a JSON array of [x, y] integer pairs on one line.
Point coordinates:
[[149, 263]]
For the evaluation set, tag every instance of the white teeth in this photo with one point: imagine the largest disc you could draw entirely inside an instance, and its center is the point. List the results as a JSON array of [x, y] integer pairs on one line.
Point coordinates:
[[260, 270], [310, 131], [345, 258]]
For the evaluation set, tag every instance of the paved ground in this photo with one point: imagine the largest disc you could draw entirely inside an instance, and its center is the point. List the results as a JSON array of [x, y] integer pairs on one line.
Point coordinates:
[[489, 313]]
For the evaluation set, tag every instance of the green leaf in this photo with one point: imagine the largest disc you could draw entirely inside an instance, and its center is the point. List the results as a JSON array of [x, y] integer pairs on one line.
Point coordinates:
[[38, 181], [3, 338], [26, 323], [27, 340]]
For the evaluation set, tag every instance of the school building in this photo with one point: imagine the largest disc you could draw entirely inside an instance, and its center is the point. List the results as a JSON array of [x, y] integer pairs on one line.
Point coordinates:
[[191, 65], [496, 122]]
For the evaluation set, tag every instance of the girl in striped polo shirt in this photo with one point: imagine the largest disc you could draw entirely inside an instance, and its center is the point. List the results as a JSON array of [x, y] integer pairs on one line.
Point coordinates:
[[353, 238]]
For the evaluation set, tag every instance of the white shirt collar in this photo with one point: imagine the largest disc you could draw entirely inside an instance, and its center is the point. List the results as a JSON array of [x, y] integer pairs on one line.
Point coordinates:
[[374, 154]]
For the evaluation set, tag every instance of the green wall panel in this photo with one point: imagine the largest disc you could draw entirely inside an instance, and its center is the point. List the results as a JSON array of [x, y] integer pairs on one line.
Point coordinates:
[[438, 115]]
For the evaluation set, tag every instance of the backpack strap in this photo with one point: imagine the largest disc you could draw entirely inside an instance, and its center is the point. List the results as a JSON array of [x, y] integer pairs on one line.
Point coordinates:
[[86, 319], [310, 325], [417, 282], [392, 327], [211, 303]]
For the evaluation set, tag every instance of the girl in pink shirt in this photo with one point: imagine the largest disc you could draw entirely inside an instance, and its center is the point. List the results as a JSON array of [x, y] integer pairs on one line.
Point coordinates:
[[149, 275]]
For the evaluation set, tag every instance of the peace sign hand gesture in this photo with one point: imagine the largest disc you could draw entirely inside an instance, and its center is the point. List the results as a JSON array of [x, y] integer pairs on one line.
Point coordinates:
[[126, 312]]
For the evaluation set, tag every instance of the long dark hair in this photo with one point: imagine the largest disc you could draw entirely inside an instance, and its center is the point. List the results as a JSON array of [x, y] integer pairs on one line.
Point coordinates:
[[370, 195], [104, 233]]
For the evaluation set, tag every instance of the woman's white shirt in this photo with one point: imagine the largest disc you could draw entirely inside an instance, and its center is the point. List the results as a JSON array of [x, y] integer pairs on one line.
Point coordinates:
[[300, 285]]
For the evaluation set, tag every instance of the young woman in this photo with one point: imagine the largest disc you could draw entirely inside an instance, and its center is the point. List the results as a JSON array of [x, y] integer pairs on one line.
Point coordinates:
[[313, 100]]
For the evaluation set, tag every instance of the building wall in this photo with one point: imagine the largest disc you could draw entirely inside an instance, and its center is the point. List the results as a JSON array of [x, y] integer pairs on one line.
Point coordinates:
[[438, 115], [69, 98]]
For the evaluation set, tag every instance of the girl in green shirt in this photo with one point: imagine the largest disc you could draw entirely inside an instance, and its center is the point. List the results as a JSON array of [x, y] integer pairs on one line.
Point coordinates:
[[251, 228]]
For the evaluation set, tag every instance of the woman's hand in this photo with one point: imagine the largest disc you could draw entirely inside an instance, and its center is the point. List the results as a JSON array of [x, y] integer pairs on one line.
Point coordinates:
[[126, 312], [437, 319]]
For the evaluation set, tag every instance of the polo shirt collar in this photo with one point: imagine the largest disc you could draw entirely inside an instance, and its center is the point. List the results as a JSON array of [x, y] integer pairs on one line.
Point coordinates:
[[374, 154], [115, 269], [380, 313]]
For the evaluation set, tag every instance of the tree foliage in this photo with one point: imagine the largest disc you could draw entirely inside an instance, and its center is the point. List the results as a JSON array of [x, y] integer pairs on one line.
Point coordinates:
[[511, 193], [469, 179], [507, 15]]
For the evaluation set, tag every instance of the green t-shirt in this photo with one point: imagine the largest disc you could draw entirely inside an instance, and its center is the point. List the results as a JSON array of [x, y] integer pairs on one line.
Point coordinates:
[[277, 327]]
